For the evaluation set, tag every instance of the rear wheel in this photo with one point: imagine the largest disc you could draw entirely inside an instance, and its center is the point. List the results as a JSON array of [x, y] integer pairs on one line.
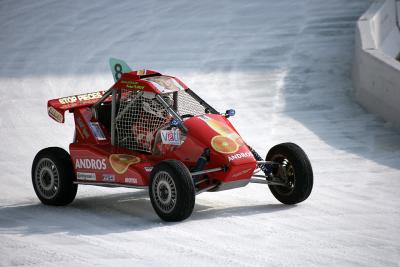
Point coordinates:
[[172, 191], [53, 177], [294, 169]]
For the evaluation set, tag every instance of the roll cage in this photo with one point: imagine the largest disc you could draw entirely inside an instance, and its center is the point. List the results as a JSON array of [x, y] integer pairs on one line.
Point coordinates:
[[127, 113]]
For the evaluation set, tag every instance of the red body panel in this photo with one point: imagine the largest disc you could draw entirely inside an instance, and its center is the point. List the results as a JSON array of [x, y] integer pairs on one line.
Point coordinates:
[[98, 161], [202, 130]]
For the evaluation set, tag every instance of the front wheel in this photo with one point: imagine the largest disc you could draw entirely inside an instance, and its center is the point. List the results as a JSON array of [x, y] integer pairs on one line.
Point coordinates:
[[294, 169], [172, 191], [53, 177]]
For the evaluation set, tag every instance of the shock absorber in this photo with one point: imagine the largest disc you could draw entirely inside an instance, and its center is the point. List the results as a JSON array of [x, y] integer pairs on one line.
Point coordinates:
[[202, 161], [264, 167], [200, 164]]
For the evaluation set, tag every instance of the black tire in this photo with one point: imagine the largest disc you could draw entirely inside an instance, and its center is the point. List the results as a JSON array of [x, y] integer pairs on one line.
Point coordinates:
[[299, 172], [53, 176], [172, 191]]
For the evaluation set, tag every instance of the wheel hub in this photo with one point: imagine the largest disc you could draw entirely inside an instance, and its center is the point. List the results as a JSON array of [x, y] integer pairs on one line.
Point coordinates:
[[285, 172], [46, 178], [164, 191]]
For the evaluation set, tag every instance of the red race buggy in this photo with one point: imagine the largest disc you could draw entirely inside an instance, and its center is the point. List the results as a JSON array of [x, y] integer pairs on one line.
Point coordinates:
[[151, 131]]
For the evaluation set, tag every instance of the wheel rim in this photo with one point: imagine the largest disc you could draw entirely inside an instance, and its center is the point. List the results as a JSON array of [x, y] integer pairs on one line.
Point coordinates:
[[47, 178], [164, 192], [287, 174]]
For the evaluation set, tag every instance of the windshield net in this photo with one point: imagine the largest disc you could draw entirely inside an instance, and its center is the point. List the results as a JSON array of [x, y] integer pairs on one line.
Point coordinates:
[[187, 104]]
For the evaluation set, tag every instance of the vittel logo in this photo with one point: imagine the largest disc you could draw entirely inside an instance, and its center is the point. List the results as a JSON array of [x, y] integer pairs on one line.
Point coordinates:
[[94, 164], [240, 155]]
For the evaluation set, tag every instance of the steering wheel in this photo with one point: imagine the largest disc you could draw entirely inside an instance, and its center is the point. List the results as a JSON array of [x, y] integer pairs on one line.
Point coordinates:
[[187, 116]]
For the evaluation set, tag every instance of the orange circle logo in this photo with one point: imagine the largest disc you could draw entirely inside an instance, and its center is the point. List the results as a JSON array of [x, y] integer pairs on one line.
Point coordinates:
[[219, 127], [225, 131], [224, 144]]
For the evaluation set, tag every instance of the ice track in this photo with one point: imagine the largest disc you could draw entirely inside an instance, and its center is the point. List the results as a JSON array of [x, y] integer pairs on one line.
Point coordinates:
[[283, 65]]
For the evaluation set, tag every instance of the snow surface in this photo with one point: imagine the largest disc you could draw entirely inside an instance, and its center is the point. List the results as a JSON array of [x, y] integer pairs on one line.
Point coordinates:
[[283, 65]]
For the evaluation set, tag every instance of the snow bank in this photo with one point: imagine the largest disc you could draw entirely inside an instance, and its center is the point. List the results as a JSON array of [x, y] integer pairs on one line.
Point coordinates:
[[376, 72]]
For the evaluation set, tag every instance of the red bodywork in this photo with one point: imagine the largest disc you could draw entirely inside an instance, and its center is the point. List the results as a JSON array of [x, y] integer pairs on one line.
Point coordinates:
[[96, 161]]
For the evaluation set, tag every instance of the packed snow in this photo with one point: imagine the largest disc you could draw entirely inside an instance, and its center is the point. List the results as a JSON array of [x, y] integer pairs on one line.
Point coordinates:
[[285, 66]]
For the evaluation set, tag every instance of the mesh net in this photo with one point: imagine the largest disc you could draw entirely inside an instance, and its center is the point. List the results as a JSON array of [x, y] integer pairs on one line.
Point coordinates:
[[140, 115], [138, 118], [187, 104]]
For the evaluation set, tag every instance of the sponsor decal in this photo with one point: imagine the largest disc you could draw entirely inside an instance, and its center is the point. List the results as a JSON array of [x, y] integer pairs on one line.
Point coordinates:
[[129, 82], [241, 172], [223, 144], [148, 168], [96, 129], [164, 84], [129, 180], [141, 72], [82, 97], [93, 164], [67, 100], [240, 156], [108, 178], [225, 130], [133, 84], [171, 137], [227, 141], [86, 176], [121, 162], [139, 87], [55, 114], [90, 96]]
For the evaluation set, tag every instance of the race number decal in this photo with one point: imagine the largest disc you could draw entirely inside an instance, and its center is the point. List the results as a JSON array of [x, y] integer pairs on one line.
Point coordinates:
[[118, 71]]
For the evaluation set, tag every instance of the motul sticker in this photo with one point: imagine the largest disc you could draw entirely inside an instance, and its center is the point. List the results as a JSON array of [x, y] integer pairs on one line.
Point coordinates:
[[86, 176], [131, 180], [170, 137]]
